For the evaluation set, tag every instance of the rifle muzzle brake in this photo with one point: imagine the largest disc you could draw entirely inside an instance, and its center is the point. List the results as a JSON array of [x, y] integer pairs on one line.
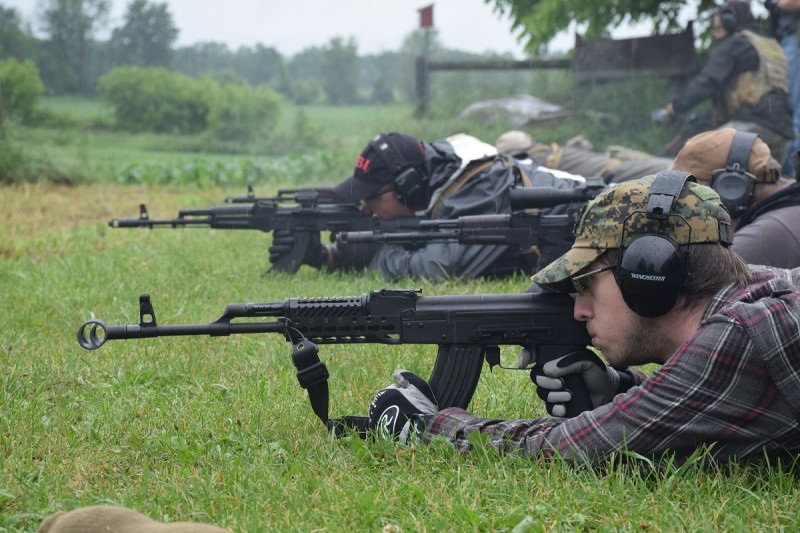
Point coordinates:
[[92, 334]]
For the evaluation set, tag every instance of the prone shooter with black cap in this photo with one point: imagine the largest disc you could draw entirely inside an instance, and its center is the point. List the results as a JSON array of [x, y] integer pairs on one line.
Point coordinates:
[[397, 176]]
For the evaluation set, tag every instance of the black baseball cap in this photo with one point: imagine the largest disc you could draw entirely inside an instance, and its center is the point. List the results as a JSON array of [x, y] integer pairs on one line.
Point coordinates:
[[378, 164]]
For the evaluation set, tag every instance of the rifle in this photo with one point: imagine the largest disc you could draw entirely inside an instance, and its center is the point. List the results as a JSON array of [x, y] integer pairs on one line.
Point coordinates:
[[305, 219], [325, 195], [468, 329], [520, 229], [311, 214]]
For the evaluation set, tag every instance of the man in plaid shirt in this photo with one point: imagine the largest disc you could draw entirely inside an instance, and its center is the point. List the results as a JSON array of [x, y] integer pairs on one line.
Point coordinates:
[[651, 289]]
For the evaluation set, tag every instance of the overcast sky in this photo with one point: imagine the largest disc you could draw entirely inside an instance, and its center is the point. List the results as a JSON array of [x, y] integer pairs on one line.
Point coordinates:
[[292, 25]]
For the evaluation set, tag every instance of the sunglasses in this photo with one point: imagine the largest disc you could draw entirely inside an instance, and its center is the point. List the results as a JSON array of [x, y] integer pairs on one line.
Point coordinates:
[[581, 282]]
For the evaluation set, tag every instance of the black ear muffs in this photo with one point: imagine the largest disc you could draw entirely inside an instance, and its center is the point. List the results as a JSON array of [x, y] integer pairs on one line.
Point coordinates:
[[650, 275], [407, 179], [651, 270], [727, 19], [733, 183]]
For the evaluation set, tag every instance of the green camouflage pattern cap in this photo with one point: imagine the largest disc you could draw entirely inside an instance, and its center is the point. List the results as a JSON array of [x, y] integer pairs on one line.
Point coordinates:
[[617, 216]]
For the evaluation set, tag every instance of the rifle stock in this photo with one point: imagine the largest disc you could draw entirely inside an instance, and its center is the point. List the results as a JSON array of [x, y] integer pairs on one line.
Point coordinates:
[[467, 329]]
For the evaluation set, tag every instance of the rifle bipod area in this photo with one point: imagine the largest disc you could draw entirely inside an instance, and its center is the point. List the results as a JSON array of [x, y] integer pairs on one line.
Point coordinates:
[[312, 374]]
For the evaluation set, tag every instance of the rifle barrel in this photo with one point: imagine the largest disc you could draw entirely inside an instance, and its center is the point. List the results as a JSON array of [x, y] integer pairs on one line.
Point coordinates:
[[540, 197], [94, 333]]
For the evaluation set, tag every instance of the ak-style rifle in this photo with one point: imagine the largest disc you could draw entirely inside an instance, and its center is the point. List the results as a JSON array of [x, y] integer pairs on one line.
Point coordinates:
[[468, 330]]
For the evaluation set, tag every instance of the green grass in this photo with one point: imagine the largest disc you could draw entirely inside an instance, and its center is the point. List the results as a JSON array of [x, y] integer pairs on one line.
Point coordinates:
[[217, 429], [607, 115], [77, 107], [90, 154]]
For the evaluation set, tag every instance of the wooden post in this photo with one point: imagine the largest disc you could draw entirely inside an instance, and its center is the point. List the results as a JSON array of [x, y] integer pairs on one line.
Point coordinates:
[[422, 63]]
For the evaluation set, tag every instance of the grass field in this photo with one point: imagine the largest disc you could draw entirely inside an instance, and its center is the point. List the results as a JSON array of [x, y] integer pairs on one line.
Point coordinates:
[[217, 429]]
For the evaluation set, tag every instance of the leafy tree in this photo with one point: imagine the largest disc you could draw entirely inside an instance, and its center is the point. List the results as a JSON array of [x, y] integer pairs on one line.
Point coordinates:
[[383, 69], [303, 69], [20, 89], [242, 113], [305, 64], [203, 58], [70, 26], [414, 45], [146, 37], [14, 41], [538, 21], [339, 71], [306, 91], [260, 65]]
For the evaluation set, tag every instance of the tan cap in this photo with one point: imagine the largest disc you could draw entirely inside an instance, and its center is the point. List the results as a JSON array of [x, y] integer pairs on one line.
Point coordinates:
[[624, 207], [105, 518], [513, 142], [708, 151]]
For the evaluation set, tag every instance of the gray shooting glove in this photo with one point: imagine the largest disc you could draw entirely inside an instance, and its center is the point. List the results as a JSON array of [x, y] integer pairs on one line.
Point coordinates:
[[602, 381], [661, 117], [403, 409]]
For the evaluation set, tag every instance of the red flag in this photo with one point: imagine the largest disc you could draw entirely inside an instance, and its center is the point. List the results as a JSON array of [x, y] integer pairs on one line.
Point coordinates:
[[426, 16]]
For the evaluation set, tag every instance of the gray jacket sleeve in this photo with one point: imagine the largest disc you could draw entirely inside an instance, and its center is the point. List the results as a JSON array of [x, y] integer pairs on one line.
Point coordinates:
[[484, 194], [772, 239]]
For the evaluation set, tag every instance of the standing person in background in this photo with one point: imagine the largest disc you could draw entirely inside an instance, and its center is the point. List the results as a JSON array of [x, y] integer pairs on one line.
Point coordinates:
[[785, 17], [746, 80], [765, 208]]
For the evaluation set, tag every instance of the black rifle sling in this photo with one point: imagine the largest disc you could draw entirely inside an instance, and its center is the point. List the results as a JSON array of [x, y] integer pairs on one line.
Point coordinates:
[[312, 374]]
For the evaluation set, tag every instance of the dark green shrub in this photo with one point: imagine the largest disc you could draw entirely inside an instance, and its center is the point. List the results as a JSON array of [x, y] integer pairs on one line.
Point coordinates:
[[163, 101], [18, 164], [243, 113], [156, 99], [20, 89]]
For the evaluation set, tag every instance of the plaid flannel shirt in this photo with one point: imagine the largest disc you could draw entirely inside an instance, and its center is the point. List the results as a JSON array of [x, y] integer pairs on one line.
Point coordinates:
[[734, 386]]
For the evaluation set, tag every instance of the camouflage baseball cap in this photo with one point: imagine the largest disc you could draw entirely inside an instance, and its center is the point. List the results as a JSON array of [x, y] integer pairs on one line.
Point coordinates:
[[617, 216]]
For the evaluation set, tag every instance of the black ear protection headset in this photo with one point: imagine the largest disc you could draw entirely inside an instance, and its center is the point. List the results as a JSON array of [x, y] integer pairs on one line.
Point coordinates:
[[733, 183], [727, 18], [651, 270], [407, 179]]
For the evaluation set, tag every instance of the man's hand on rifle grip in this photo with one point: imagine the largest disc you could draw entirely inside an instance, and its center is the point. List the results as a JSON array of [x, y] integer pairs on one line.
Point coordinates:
[[602, 381], [283, 242]]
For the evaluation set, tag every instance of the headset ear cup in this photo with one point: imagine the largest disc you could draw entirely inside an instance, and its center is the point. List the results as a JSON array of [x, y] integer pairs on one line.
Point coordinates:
[[735, 190], [728, 20], [650, 275]]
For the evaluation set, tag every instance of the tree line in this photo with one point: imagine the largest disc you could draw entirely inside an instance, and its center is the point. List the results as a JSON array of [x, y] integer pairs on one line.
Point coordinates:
[[71, 59]]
